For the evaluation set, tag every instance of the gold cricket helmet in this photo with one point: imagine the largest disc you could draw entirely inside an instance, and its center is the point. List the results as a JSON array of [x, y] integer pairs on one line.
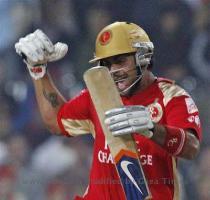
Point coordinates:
[[118, 38]]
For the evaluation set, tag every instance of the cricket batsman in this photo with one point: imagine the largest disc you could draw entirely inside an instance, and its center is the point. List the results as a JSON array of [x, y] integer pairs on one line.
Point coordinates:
[[161, 116]]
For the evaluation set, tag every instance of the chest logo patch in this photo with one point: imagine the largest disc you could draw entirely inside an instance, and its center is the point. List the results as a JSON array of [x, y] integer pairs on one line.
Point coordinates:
[[156, 111]]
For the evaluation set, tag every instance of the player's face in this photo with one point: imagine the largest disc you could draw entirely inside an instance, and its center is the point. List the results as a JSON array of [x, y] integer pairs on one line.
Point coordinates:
[[122, 69]]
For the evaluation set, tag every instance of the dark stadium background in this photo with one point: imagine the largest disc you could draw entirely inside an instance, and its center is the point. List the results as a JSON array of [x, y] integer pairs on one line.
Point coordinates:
[[37, 165]]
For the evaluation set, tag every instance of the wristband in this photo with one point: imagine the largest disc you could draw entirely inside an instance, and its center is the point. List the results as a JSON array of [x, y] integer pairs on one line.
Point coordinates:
[[175, 140]]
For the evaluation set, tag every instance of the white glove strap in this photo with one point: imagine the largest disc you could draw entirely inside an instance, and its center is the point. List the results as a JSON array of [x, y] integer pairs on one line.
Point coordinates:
[[38, 71]]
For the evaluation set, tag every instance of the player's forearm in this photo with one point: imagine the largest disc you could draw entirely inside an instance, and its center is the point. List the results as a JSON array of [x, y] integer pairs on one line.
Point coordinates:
[[49, 101], [190, 147], [36, 50]]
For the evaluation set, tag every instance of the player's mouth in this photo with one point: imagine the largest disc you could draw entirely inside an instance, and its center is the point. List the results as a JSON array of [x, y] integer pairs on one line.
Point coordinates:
[[121, 82], [121, 78]]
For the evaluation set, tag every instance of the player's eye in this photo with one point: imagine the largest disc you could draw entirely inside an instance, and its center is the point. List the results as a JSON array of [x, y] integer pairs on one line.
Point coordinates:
[[118, 74], [114, 60], [119, 59], [105, 63]]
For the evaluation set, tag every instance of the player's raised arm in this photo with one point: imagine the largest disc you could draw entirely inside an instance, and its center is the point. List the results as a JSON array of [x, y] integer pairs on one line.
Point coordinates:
[[37, 50]]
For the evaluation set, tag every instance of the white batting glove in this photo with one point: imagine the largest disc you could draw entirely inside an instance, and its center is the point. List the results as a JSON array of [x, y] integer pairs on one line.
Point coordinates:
[[37, 50], [129, 119]]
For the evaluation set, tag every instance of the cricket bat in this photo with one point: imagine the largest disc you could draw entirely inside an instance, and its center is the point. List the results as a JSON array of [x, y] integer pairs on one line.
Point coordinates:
[[105, 96]]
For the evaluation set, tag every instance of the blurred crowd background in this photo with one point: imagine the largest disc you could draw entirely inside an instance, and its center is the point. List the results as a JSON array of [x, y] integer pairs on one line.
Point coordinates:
[[34, 164]]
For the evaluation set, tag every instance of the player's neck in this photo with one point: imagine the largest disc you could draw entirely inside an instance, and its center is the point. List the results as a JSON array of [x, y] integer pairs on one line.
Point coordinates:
[[147, 79]]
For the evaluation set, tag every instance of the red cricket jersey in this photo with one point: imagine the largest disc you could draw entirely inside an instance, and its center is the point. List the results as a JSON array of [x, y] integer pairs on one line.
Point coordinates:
[[168, 104]]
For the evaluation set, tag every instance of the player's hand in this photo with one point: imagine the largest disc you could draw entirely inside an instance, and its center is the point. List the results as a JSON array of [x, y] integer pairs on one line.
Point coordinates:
[[37, 50], [129, 119]]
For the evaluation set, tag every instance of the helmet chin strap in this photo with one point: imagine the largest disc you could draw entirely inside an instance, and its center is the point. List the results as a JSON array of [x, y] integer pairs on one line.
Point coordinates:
[[128, 89], [141, 59]]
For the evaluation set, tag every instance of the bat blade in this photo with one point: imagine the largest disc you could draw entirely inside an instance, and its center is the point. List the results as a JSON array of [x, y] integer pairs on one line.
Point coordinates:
[[105, 96]]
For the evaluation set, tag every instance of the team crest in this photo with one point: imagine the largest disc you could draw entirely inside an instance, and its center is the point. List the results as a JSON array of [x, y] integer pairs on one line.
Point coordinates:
[[105, 37], [156, 111]]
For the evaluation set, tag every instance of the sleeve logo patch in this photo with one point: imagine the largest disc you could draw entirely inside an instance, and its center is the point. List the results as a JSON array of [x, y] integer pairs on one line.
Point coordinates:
[[191, 107]]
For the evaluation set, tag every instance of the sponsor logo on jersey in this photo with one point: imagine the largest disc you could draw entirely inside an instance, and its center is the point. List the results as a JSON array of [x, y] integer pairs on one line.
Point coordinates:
[[104, 156], [191, 107], [156, 111]]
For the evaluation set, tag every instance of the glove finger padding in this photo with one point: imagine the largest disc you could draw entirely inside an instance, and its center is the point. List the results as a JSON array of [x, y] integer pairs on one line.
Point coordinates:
[[143, 129], [60, 50], [123, 109], [37, 53], [45, 41], [36, 49], [135, 122], [124, 116], [23, 48], [32, 48], [129, 119]]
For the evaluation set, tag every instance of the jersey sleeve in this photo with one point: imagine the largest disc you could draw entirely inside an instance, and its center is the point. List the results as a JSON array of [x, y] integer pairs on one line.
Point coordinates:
[[182, 112], [74, 116]]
